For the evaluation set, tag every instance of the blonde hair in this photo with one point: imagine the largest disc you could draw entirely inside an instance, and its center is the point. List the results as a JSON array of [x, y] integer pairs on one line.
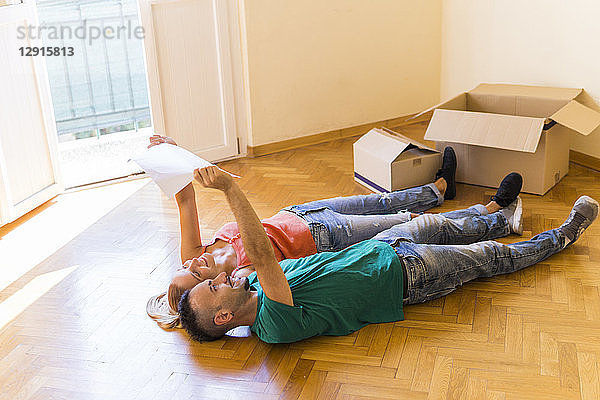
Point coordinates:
[[160, 311]]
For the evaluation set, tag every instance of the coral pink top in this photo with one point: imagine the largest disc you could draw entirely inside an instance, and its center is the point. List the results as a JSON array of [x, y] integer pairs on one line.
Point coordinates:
[[288, 233]]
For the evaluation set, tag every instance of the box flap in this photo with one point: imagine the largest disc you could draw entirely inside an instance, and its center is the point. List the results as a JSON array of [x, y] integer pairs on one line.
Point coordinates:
[[541, 92], [507, 132], [514, 105], [578, 117], [414, 143], [413, 152], [458, 102], [382, 144]]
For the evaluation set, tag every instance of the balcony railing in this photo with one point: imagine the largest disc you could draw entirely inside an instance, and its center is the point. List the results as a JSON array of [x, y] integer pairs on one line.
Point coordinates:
[[102, 87]]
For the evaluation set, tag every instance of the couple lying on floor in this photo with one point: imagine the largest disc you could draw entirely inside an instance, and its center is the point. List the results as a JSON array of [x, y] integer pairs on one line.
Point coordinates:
[[332, 266]]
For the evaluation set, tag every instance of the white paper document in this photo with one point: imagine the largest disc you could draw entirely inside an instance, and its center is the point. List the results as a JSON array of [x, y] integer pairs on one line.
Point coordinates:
[[171, 167]]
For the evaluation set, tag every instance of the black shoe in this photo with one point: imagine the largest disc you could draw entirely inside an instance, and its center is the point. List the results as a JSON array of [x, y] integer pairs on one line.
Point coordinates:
[[448, 172], [509, 189], [584, 212]]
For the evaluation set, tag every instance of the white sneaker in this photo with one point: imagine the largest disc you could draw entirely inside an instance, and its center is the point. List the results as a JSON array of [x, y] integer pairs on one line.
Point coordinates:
[[514, 215]]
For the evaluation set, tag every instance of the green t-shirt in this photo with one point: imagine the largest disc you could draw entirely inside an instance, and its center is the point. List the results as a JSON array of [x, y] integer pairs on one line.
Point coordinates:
[[335, 293]]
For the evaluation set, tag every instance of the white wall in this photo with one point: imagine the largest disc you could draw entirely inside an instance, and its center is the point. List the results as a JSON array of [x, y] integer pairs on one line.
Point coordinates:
[[315, 66], [539, 42]]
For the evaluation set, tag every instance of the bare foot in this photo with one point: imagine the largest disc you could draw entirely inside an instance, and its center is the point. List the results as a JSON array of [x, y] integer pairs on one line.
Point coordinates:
[[442, 185], [493, 207]]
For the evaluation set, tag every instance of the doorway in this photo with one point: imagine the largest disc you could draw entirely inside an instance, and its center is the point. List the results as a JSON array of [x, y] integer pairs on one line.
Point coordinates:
[[98, 86], [101, 95]]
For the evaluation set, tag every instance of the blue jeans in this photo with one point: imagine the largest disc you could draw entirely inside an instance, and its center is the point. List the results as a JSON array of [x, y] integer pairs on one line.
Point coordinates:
[[441, 254], [343, 221]]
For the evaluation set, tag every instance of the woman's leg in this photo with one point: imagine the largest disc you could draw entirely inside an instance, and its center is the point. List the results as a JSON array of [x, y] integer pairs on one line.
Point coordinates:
[[416, 200], [333, 231], [434, 270]]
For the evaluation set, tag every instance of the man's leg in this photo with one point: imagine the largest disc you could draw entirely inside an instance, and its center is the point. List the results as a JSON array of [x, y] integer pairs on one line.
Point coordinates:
[[436, 270]]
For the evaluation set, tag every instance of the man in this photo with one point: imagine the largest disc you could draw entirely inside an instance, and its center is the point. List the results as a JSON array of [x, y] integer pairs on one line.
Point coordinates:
[[337, 293]]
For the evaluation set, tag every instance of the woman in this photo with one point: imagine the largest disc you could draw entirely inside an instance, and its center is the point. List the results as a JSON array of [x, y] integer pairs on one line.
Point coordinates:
[[296, 231]]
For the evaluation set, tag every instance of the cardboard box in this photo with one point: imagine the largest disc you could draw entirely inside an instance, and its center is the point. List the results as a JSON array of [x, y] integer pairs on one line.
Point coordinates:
[[497, 129], [385, 161]]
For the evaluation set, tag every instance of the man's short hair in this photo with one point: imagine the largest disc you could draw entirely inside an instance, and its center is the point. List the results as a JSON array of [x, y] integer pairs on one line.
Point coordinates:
[[199, 324]]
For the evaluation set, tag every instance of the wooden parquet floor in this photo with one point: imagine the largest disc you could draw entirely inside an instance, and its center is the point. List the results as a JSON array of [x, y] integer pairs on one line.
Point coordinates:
[[534, 334]]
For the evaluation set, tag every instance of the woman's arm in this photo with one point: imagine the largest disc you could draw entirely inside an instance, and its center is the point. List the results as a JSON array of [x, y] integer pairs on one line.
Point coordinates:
[[191, 241]]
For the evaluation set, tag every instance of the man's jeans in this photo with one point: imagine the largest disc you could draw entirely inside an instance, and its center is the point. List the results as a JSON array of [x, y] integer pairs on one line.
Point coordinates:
[[441, 254], [343, 221]]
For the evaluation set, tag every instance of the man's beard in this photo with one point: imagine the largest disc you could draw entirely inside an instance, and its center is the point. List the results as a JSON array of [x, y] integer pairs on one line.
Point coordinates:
[[237, 300]]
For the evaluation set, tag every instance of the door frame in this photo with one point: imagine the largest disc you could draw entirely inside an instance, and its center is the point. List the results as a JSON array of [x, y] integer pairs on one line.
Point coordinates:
[[233, 68]]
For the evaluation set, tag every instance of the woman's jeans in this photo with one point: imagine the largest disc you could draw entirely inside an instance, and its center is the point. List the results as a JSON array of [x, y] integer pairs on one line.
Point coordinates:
[[343, 221], [440, 253]]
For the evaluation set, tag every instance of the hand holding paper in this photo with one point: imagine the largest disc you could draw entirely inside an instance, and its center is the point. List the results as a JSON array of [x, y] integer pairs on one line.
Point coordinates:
[[214, 178], [171, 167], [158, 139]]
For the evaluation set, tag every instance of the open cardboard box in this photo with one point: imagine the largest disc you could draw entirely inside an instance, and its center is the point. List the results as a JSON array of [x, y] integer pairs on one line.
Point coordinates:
[[496, 129], [385, 161]]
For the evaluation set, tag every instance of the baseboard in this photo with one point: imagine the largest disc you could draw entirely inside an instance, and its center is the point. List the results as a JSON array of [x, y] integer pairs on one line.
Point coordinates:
[[585, 160], [289, 144]]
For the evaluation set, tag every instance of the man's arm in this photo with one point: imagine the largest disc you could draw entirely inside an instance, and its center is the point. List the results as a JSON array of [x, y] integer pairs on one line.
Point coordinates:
[[256, 243], [191, 241]]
